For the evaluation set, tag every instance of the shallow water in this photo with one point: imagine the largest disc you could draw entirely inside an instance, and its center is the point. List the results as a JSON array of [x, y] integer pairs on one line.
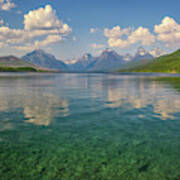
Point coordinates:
[[88, 126]]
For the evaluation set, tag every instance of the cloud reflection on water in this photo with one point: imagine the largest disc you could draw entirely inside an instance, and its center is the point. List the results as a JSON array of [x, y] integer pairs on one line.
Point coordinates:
[[164, 99], [39, 107]]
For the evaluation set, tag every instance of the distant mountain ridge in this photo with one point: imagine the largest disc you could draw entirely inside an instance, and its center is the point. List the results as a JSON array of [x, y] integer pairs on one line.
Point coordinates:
[[41, 58], [108, 60]]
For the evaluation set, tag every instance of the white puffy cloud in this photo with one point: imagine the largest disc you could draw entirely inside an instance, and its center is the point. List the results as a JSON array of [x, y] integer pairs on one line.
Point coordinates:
[[45, 19], [168, 32], [50, 39], [97, 46], [40, 23], [143, 35], [7, 34], [116, 32], [6, 5], [123, 38], [42, 18]]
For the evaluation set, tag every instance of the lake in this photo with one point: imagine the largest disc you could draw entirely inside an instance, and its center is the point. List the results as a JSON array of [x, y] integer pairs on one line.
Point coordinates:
[[89, 127]]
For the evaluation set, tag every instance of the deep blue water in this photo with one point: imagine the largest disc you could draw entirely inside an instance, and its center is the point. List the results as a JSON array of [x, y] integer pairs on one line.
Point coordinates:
[[88, 126]]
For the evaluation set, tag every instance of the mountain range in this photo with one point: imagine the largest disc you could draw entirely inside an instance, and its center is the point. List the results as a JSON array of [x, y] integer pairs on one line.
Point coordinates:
[[108, 60]]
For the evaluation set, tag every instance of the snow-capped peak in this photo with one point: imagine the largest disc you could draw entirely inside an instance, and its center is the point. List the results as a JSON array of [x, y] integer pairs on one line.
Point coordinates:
[[127, 57], [141, 51]]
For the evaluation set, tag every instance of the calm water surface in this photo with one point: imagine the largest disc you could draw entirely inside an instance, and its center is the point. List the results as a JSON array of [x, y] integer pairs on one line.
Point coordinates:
[[88, 126]]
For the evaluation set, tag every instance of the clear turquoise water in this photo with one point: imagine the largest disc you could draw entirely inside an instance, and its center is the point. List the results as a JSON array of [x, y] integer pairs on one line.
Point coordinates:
[[88, 127]]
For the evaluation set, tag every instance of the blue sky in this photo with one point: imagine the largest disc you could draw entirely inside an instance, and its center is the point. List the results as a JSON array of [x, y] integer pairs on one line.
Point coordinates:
[[129, 24]]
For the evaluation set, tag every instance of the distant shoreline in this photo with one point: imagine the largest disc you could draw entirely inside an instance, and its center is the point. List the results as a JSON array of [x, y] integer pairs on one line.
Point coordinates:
[[24, 69], [33, 70]]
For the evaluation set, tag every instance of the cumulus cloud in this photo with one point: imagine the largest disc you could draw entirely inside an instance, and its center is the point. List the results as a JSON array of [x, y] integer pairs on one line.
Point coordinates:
[[40, 23], [97, 46], [168, 32], [123, 38], [7, 34], [6, 5], [116, 32], [42, 18], [50, 39], [143, 35]]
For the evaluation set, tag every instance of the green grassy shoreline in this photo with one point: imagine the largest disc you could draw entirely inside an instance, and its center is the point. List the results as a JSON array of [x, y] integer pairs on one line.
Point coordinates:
[[23, 69], [18, 69]]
